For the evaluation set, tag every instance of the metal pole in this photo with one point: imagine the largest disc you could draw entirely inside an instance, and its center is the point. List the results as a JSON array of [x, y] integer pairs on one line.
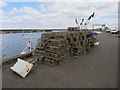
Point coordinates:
[[93, 27], [78, 25]]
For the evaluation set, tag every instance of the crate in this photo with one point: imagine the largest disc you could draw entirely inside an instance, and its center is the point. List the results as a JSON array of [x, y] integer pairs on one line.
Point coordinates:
[[51, 62], [53, 56], [73, 29], [53, 42], [75, 51], [40, 46], [55, 49], [48, 35], [38, 53]]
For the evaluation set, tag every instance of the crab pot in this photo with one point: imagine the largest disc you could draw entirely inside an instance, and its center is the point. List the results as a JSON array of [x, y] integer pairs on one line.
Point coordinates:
[[53, 56], [73, 28], [38, 53], [50, 62]]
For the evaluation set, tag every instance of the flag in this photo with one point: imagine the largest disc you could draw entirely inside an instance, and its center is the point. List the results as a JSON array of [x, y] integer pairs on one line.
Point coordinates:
[[81, 23], [91, 16], [83, 20], [76, 21]]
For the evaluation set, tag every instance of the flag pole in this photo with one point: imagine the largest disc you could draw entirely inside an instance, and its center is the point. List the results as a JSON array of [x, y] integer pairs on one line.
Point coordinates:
[[78, 25], [87, 24]]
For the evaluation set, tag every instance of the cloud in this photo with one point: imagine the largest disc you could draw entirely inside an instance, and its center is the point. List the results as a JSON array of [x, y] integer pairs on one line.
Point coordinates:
[[2, 4], [111, 22], [61, 14], [78, 0], [14, 11], [84, 9], [102, 0], [41, 6], [61, 0], [2, 15]]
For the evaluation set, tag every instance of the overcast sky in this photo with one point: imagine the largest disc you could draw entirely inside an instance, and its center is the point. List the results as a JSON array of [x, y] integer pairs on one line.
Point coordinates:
[[56, 14]]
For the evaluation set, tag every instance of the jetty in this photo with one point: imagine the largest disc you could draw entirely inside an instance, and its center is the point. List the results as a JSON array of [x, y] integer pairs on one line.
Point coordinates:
[[96, 69]]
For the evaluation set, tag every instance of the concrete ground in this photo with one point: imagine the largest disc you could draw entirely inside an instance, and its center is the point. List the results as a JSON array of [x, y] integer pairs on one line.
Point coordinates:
[[97, 69]]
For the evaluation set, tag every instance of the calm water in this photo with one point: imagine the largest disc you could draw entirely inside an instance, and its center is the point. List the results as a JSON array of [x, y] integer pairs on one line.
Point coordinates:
[[13, 44]]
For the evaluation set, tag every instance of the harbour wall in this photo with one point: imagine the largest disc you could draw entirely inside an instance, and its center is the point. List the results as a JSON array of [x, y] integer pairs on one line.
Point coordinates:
[[12, 60], [7, 31]]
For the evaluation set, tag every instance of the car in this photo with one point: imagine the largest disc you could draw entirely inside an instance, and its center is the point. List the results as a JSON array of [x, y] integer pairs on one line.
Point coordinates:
[[114, 31], [119, 32], [108, 31]]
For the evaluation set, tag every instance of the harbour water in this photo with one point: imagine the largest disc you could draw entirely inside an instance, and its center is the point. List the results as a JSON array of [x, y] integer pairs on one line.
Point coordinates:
[[14, 44]]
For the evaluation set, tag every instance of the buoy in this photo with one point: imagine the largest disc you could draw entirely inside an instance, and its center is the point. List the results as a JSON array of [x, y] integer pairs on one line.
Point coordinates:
[[28, 48]]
